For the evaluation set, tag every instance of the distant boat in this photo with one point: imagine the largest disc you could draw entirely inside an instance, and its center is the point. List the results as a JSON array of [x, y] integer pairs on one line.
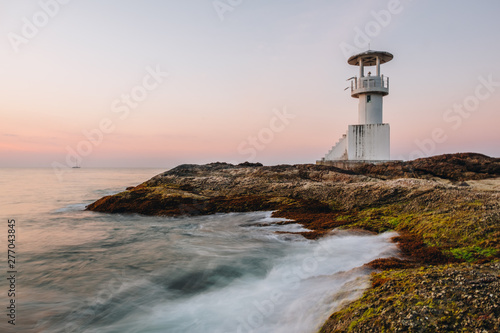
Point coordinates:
[[76, 166]]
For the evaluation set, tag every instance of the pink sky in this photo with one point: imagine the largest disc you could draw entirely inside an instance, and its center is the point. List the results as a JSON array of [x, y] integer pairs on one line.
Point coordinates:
[[227, 79]]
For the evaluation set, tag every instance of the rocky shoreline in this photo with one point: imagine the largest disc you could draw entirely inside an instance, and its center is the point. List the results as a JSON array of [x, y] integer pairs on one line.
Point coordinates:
[[446, 209], [446, 298]]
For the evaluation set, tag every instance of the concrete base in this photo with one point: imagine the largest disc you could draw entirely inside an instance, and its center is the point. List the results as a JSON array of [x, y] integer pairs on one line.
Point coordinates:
[[368, 142], [349, 165]]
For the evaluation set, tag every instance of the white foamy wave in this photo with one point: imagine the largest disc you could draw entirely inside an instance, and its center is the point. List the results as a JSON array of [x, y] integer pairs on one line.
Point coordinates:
[[290, 227], [296, 295], [268, 218]]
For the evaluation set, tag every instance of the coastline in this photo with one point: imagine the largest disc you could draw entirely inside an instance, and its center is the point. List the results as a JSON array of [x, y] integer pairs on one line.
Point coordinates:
[[446, 226]]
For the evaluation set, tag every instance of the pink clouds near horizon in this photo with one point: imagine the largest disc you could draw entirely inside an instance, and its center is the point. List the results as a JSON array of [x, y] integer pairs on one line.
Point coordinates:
[[226, 78]]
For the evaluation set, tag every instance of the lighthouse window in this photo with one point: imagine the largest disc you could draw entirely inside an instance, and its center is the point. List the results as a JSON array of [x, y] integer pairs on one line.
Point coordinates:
[[368, 98]]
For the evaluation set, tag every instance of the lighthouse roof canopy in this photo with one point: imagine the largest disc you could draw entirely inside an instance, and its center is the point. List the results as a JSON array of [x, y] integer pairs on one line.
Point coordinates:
[[370, 58]]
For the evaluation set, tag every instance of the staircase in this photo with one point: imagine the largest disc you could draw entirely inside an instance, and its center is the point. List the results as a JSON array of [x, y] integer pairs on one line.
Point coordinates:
[[338, 151]]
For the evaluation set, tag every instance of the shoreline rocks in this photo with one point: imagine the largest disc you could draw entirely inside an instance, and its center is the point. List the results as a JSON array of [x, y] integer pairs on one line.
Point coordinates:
[[446, 209], [448, 298]]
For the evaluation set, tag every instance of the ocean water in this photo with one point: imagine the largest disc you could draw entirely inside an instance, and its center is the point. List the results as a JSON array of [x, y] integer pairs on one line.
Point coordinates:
[[80, 271]]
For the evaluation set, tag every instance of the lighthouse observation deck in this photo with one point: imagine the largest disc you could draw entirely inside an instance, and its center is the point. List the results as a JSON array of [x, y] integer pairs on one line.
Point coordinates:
[[377, 84], [369, 85]]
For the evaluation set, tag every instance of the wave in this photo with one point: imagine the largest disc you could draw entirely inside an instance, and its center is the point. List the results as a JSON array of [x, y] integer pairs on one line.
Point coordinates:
[[293, 293]]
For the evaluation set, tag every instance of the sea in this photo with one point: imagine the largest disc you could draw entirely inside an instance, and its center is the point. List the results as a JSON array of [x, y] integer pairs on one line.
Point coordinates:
[[73, 270]]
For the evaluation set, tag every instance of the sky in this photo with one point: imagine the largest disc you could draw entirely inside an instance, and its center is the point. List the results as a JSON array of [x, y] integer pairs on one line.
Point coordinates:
[[157, 83]]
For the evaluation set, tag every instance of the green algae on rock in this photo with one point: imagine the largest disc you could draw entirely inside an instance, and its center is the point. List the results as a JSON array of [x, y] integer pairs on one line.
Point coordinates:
[[445, 208], [448, 298], [445, 219]]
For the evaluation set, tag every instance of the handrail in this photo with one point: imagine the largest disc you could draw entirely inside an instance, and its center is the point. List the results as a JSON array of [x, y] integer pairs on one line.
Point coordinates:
[[370, 82]]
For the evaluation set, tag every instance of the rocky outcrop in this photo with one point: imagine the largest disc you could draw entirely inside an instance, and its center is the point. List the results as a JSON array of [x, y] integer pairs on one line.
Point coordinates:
[[446, 209], [455, 167], [451, 298], [206, 189], [372, 197]]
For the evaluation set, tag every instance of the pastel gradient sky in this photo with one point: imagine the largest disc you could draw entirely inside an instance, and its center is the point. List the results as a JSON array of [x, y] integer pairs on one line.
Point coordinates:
[[231, 69]]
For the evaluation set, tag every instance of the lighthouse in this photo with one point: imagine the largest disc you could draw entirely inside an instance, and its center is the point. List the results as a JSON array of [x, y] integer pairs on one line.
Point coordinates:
[[369, 140]]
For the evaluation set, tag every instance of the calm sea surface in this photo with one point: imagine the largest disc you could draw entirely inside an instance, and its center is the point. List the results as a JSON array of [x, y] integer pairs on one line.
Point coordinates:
[[80, 271]]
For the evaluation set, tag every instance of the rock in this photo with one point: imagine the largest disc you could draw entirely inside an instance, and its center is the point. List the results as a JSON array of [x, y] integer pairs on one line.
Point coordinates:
[[248, 164], [456, 167], [409, 302], [442, 222], [334, 187], [433, 217]]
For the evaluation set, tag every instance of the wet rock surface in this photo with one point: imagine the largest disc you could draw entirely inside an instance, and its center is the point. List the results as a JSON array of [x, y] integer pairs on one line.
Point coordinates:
[[449, 231], [455, 167], [206, 189], [449, 298]]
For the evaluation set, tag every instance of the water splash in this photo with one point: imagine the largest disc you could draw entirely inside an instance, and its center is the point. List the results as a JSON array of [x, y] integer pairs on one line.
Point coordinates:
[[293, 289]]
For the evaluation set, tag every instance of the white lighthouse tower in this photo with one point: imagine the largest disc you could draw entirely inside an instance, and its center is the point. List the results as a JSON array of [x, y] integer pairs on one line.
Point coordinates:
[[369, 140]]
